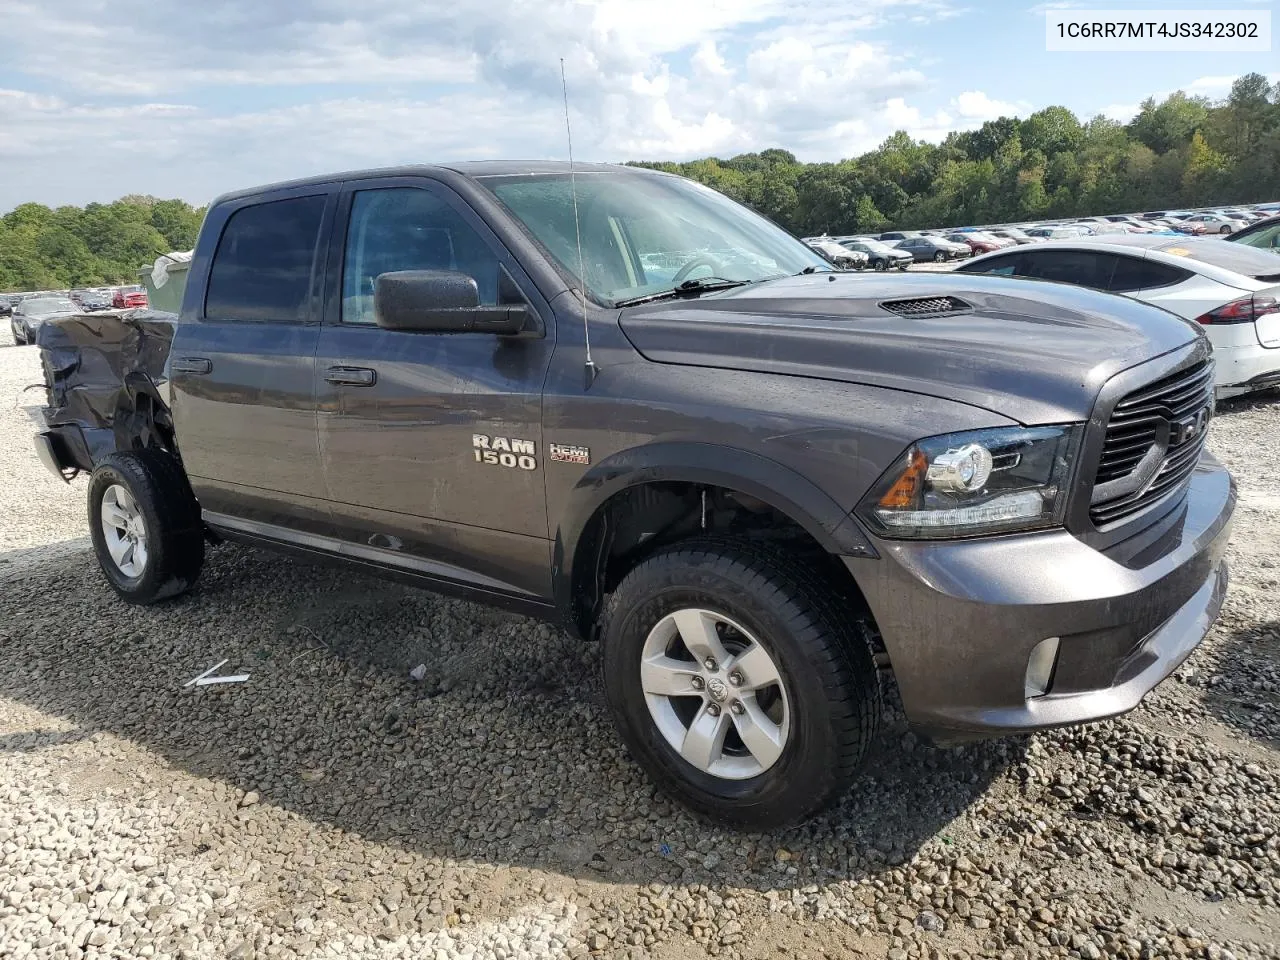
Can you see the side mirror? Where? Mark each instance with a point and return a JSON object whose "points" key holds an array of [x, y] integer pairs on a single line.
{"points": [[440, 301]]}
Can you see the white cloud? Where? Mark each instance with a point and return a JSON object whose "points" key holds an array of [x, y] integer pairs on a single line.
{"points": [[977, 106], [117, 96]]}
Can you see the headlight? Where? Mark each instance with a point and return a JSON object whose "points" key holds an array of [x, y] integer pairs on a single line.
{"points": [[982, 481]]}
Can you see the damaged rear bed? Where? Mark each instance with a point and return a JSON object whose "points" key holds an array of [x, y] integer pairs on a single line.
{"points": [[107, 387]]}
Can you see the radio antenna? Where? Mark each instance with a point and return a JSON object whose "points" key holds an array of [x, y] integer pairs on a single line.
{"points": [[591, 370]]}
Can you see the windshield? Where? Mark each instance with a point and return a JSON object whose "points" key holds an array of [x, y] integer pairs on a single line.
{"points": [[47, 307], [1268, 238], [644, 234]]}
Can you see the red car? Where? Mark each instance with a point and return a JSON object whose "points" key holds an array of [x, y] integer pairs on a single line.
{"points": [[128, 299], [975, 243]]}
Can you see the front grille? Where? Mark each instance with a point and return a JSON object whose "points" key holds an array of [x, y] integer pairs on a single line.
{"points": [[1154, 440], [926, 306]]}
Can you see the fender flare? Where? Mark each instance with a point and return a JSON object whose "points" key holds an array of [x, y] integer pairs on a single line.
{"points": [[732, 468]]}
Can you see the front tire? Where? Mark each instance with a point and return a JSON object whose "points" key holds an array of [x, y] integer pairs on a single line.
{"points": [[1225, 229], [145, 525], [939, 257], [739, 681], [881, 265]]}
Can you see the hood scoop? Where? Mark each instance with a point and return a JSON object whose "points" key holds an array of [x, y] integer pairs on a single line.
{"points": [[926, 306]]}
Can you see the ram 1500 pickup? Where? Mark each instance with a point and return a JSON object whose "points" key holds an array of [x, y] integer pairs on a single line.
{"points": [[616, 399]]}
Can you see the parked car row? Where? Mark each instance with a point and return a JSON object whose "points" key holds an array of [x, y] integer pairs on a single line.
{"points": [[27, 311]]}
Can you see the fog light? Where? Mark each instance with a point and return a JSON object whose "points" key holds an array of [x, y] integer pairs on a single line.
{"points": [[1044, 657]]}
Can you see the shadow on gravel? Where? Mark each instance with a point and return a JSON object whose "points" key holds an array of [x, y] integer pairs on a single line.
{"points": [[502, 754], [1240, 682]]}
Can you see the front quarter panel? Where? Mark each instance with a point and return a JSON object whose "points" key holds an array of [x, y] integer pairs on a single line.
{"points": [[811, 447]]}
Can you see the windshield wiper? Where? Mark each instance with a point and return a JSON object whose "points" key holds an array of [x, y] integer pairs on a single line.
{"points": [[688, 287]]}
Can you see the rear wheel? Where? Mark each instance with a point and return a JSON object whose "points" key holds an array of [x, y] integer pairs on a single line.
{"points": [[739, 682], [145, 525]]}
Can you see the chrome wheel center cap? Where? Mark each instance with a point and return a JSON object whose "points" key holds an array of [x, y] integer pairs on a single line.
{"points": [[717, 689]]}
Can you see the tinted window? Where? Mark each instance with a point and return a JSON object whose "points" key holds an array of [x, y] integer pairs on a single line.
{"points": [[1132, 274], [1084, 268], [996, 266], [406, 228], [262, 267]]}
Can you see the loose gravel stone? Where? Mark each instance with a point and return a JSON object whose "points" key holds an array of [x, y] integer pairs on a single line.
{"points": [[333, 807]]}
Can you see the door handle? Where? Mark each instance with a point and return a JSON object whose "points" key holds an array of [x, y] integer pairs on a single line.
{"points": [[352, 376], [191, 365]]}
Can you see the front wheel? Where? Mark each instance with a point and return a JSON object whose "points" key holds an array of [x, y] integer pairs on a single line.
{"points": [[145, 525], [939, 257], [1225, 229], [739, 682], [881, 265]]}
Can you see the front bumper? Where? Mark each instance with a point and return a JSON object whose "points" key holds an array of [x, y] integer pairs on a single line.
{"points": [[961, 618]]}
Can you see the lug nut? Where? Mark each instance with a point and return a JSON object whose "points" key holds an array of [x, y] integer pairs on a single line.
{"points": [[737, 708], [713, 709], [698, 683], [710, 664], [735, 678]]}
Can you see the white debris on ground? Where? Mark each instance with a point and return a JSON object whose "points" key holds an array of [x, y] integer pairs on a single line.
{"points": [[333, 807]]}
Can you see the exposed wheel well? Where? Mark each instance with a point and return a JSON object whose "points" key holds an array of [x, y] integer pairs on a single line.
{"points": [[634, 522], [142, 421]]}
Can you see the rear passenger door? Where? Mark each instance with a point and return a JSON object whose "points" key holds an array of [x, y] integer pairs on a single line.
{"points": [[432, 443], [242, 371]]}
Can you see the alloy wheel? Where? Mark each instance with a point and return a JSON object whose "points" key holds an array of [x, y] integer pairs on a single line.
{"points": [[715, 694], [124, 531]]}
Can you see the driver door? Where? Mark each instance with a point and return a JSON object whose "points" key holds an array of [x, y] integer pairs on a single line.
{"points": [[407, 419]]}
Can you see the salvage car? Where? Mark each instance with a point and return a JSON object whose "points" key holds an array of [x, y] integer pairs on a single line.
{"points": [[29, 315], [758, 482], [841, 256], [936, 249], [880, 256], [1230, 289]]}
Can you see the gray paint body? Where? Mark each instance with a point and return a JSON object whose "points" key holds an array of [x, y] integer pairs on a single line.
{"points": [[800, 392]]}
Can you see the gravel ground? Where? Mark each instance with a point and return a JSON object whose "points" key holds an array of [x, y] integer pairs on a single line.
{"points": [[331, 806]]}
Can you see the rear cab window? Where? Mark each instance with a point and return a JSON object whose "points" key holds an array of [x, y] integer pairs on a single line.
{"points": [[1134, 273], [263, 265]]}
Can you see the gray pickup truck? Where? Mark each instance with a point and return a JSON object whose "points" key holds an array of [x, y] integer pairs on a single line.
{"points": [[617, 400]]}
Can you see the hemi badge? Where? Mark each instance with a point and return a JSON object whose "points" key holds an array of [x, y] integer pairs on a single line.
{"points": [[569, 453]]}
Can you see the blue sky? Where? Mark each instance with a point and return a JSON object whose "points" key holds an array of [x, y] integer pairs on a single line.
{"points": [[99, 98]]}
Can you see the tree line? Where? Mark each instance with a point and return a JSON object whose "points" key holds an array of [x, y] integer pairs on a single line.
{"points": [[94, 245], [1182, 151]]}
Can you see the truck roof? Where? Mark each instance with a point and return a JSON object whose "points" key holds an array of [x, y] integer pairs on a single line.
{"points": [[467, 168]]}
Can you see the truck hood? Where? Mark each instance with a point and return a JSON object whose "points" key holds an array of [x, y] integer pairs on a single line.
{"points": [[1031, 351]]}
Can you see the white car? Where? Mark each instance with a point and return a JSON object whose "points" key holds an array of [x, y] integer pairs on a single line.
{"points": [[1230, 289], [1212, 223], [840, 256]]}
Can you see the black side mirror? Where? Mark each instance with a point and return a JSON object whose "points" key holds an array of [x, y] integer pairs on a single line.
{"points": [[440, 301]]}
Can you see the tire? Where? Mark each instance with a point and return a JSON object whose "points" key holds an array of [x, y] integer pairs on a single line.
{"points": [[1225, 229], [19, 338], [171, 534], [826, 703], [881, 264], [939, 257]]}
